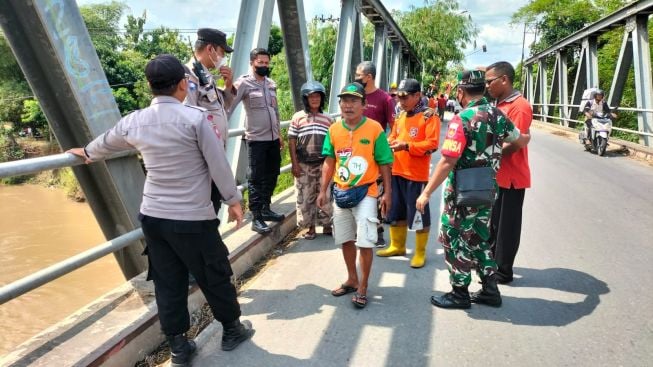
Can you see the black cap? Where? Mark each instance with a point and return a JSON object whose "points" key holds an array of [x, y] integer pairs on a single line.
{"points": [[471, 77], [215, 37], [164, 71], [408, 86], [353, 89]]}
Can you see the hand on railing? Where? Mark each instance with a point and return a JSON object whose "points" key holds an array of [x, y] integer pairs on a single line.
{"points": [[80, 153], [235, 214]]}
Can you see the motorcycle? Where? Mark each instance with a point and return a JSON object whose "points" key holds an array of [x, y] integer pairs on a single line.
{"points": [[600, 131]]}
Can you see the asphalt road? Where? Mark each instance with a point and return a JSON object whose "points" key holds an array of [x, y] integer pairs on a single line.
{"points": [[582, 294]]}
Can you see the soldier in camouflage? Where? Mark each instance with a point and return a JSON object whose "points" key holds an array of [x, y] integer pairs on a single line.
{"points": [[475, 138]]}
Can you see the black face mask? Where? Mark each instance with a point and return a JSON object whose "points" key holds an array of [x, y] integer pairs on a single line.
{"points": [[360, 81], [262, 70]]}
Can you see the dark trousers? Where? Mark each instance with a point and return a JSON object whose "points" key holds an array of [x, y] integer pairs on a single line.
{"points": [[264, 165], [505, 228], [175, 248]]}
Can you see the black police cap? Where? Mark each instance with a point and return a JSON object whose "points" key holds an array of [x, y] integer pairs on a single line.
{"points": [[215, 37], [164, 71]]}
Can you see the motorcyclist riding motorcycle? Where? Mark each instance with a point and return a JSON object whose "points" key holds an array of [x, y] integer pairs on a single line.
{"points": [[596, 108]]}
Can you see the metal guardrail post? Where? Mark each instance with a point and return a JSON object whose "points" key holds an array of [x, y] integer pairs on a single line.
{"points": [[395, 63], [295, 41], [624, 62], [563, 83], [342, 60], [379, 56], [590, 44], [55, 52], [643, 77]]}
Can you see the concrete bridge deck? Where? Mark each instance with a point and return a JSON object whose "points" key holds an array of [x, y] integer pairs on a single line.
{"points": [[579, 298]]}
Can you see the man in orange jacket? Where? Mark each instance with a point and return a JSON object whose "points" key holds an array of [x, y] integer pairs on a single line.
{"points": [[413, 138]]}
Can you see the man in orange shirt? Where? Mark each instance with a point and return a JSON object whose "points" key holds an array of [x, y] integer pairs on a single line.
{"points": [[413, 138], [514, 175], [357, 152]]}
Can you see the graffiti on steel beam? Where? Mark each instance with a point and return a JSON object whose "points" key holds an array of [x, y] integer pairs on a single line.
{"points": [[92, 92]]}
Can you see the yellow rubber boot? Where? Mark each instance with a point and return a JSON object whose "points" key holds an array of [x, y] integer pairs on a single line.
{"points": [[397, 242], [421, 238]]}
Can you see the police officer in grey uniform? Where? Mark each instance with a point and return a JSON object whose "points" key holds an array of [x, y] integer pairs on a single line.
{"points": [[210, 54], [263, 133], [182, 154]]}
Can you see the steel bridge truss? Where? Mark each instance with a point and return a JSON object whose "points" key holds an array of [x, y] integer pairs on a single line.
{"points": [[54, 50], [635, 52]]}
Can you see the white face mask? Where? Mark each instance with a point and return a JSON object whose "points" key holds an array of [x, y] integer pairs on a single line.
{"points": [[220, 62]]}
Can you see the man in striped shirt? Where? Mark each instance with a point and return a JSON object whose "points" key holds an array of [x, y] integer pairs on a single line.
{"points": [[306, 136]]}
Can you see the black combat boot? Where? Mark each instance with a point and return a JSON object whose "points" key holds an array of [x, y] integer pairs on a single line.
{"points": [[258, 225], [234, 333], [181, 349], [457, 298], [489, 294], [268, 214]]}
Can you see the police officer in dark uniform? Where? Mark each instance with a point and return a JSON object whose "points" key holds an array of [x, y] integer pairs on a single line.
{"points": [[203, 88], [182, 154]]}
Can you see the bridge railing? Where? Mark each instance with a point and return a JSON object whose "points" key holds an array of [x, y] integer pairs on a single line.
{"points": [[52, 272], [552, 106]]}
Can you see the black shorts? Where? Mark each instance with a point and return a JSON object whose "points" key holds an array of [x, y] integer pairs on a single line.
{"points": [[404, 197]]}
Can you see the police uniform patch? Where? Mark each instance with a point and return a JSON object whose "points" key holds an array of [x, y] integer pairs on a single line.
{"points": [[192, 86]]}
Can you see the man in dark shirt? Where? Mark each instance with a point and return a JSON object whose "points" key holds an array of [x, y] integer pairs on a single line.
{"points": [[380, 107]]}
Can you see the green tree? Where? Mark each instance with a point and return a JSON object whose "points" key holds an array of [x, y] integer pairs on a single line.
{"points": [[163, 40], [322, 47], [437, 32], [125, 99], [134, 28], [556, 19], [13, 86], [275, 43], [12, 95], [34, 117]]}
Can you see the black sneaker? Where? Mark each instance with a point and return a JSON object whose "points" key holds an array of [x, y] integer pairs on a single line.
{"points": [[380, 242]]}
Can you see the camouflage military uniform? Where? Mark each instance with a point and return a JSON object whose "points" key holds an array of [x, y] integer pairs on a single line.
{"points": [[308, 187], [465, 231]]}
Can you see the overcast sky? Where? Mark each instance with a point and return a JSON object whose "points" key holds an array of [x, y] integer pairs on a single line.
{"points": [[503, 42]]}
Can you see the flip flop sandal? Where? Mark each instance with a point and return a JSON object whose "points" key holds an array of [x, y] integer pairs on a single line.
{"points": [[328, 233], [344, 289], [359, 300], [309, 236]]}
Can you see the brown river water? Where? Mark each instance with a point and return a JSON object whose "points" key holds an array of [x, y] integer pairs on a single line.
{"points": [[39, 227]]}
